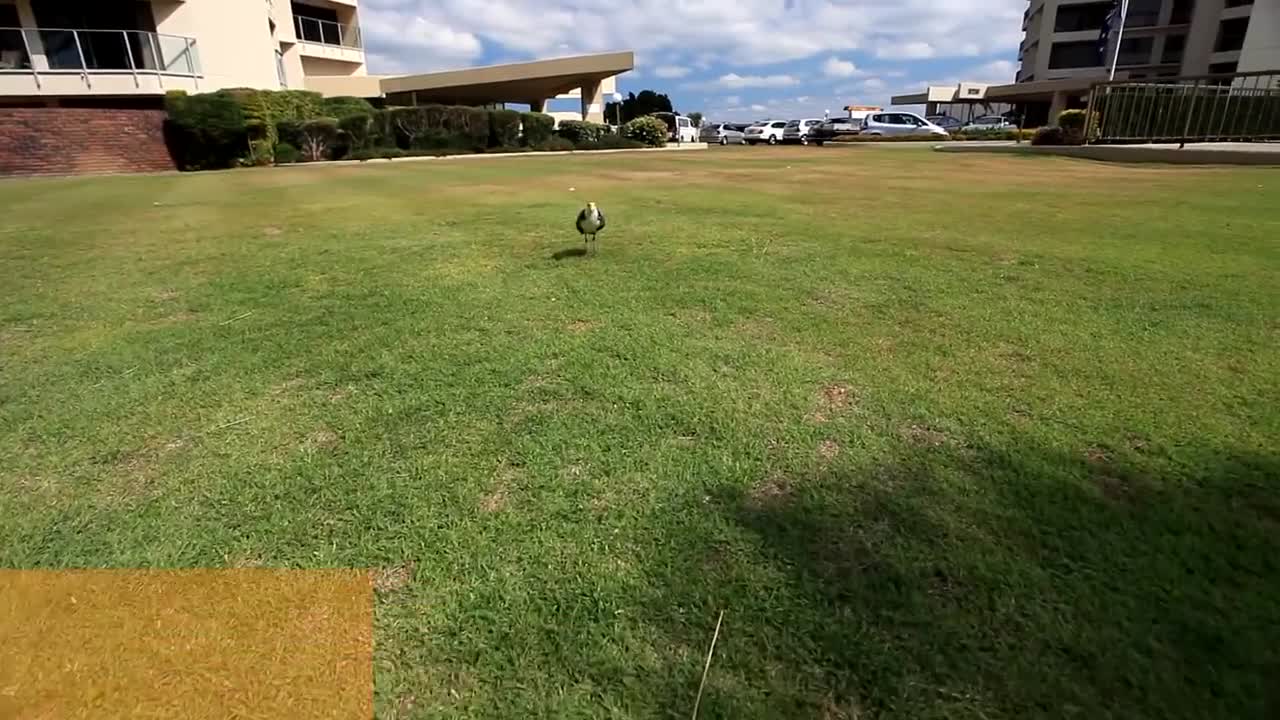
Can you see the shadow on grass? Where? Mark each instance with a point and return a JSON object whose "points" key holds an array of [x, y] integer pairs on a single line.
{"points": [[569, 253], [981, 582]]}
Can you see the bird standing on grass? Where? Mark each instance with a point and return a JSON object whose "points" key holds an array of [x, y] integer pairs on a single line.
{"points": [[590, 222]]}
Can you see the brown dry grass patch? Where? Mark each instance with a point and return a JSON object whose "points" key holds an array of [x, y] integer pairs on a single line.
{"points": [[924, 436], [392, 578]]}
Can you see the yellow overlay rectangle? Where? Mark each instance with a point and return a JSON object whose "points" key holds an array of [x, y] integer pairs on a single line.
{"points": [[243, 643]]}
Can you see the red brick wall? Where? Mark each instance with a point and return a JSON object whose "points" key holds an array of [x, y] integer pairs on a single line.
{"points": [[71, 141]]}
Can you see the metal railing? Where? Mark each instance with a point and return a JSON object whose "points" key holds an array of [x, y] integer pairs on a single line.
{"points": [[38, 51], [1201, 108], [327, 32]]}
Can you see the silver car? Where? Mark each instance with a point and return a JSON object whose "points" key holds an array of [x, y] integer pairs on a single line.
{"points": [[989, 122], [720, 134], [899, 123]]}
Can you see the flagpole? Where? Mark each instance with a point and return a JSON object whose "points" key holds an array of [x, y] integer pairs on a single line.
{"points": [[1124, 13]]}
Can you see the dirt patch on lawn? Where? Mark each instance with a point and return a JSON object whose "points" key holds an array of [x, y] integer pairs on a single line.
{"points": [[578, 327], [392, 578], [322, 439], [772, 490], [924, 436], [831, 401], [828, 449]]}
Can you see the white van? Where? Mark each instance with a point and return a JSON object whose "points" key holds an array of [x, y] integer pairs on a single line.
{"points": [[680, 129]]}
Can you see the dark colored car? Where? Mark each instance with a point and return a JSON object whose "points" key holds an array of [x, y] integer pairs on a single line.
{"points": [[834, 128], [946, 122]]}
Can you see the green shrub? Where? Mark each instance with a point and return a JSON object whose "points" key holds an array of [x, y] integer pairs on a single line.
{"points": [[375, 153], [294, 104], [261, 153], [318, 138], [647, 130], [469, 125], [504, 128], [555, 143], [286, 153], [580, 131], [610, 142], [356, 132], [345, 106], [536, 128], [206, 131], [1049, 136], [1072, 119]]}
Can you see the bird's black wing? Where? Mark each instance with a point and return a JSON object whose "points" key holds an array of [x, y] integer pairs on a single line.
{"points": [[582, 216], [600, 213]]}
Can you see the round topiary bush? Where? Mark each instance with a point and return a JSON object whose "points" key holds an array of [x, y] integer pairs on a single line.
{"points": [[1049, 136], [648, 130]]}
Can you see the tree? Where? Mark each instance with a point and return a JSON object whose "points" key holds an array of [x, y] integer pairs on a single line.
{"points": [[647, 102], [696, 119]]}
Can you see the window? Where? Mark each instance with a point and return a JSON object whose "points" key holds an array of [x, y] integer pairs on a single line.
{"points": [[13, 54], [1231, 34], [1222, 68], [793, 124], [1135, 51], [1143, 13], [1236, 3], [905, 119], [1182, 10], [778, 125], [880, 118], [1173, 47], [1074, 55], [1074, 18]]}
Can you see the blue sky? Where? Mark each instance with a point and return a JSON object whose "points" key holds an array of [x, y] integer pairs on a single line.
{"points": [[745, 59]]}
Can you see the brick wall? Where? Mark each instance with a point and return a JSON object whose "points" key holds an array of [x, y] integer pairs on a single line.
{"points": [[71, 141]]}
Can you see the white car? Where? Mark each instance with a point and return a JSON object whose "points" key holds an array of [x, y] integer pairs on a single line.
{"points": [[680, 129], [899, 123], [768, 131], [797, 131]]}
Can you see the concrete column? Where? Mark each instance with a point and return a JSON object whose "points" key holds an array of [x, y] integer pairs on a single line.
{"points": [[592, 102], [1056, 106], [27, 20], [931, 108], [538, 106]]}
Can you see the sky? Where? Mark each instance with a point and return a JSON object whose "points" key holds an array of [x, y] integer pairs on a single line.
{"points": [[739, 60]]}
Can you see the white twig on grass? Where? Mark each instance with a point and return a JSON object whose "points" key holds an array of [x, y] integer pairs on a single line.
{"points": [[705, 668], [230, 424], [241, 316]]}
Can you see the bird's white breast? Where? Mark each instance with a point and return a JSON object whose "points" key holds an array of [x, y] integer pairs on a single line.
{"points": [[591, 221]]}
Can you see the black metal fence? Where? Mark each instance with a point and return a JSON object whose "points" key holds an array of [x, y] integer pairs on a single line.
{"points": [[1205, 108]]}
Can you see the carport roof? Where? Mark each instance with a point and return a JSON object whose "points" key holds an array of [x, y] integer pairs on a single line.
{"points": [[513, 82]]}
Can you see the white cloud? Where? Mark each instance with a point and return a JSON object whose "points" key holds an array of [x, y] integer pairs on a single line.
{"points": [[667, 72], [834, 67], [873, 84], [421, 34], [758, 108], [914, 50], [734, 81], [731, 100]]}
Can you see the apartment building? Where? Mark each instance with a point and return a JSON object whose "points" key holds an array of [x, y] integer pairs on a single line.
{"points": [[1162, 38], [59, 51]]}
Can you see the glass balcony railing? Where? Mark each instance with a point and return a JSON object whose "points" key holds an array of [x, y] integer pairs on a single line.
{"points": [[38, 50], [327, 32]]}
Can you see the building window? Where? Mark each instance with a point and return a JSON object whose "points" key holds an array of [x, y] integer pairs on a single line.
{"points": [[1074, 55], [1075, 18], [1225, 68], [1173, 47], [1182, 10], [1231, 34], [1237, 3], [1135, 51], [1143, 13], [284, 81]]}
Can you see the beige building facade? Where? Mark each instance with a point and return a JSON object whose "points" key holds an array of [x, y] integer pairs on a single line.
{"points": [[57, 49], [71, 52], [1162, 38]]}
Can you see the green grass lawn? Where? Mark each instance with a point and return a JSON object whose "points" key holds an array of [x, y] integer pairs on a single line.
{"points": [[949, 436]]}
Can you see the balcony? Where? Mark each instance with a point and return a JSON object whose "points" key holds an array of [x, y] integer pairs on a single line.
{"points": [[58, 61], [328, 39]]}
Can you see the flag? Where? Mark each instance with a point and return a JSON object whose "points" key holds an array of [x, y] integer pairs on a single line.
{"points": [[1104, 35]]}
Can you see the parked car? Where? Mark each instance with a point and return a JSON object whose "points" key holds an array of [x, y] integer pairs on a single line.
{"points": [[720, 134], [680, 129], [946, 122], [797, 131], [900, 123], [834, 128], [989, 122], [767, 131]]}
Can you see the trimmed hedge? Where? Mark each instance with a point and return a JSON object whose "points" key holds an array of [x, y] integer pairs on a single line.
{"points": [[248, 127], [610, 142], [536, 128], [1049, 136], [504, 129], [646, 130], [581, 131]]}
